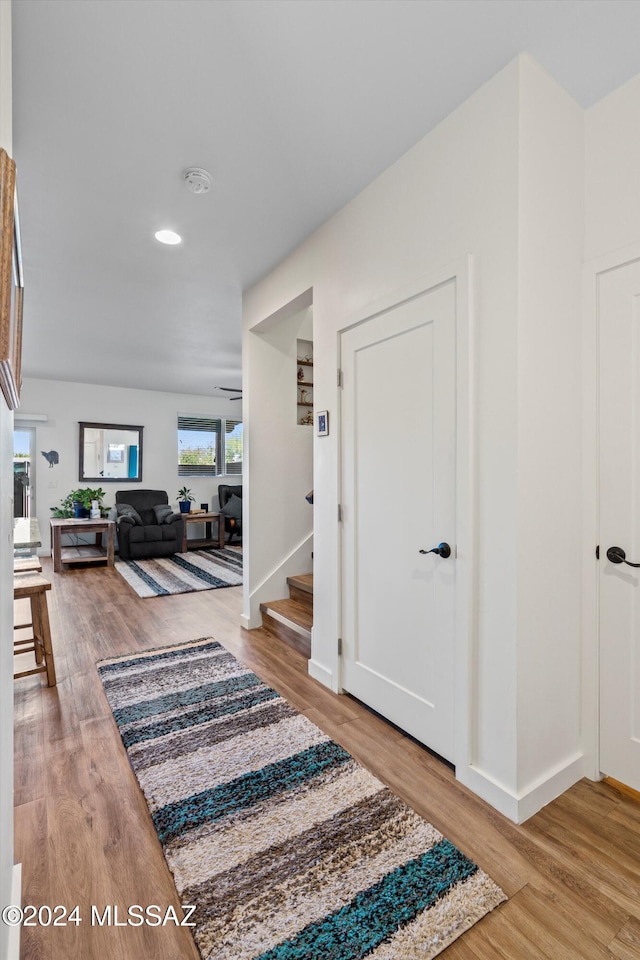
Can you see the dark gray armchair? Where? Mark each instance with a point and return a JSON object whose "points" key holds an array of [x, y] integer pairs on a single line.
{"points": [[147, 526], [230, 499]]}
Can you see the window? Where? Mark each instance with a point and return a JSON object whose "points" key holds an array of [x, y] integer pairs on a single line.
{"points": [[209, 447]]}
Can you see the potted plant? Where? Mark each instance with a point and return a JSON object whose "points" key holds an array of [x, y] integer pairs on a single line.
{"points": [[78, 503], [82, 499], [185, 499]]}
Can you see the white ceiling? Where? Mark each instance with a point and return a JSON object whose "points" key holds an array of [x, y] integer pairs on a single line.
{"points": [[293, 105]]}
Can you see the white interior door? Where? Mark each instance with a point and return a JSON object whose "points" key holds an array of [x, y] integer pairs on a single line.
{"points": [[619, 484], [399, 497]]}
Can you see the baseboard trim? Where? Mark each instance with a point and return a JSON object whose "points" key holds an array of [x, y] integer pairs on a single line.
{"points": [[321, 674], [550, 786], [250, 623], [519, 807], [13, 940]]}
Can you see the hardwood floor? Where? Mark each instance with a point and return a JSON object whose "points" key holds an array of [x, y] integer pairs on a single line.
{"points": [[84, 836]]}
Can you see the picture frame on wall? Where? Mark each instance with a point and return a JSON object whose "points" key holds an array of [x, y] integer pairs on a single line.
{"points": [[322, 423], [11, 285]]}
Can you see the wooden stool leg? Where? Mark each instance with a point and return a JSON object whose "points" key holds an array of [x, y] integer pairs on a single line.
{"points": [[43, 616], [36, 626]]}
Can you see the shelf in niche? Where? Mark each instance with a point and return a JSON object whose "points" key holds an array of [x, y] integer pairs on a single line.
{"points": [[304, 383]]}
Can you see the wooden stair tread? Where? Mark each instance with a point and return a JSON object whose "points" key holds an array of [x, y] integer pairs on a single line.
{"points": [[303, 581], [298, 613]]}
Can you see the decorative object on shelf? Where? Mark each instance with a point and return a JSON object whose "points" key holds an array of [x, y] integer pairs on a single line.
{"points": [[51, 457], [304, 355], [185, 499], [11, 284], [78, 503], [323, 423]]}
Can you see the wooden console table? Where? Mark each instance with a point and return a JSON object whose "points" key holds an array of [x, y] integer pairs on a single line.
{"points": [[207, 519], [86, 552]]}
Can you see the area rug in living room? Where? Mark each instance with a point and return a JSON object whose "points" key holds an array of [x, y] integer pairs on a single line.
{"points": [[183, 572], [286, 846]]}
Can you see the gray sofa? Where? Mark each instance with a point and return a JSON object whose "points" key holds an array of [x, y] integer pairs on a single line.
{"points": [[147, 526]]}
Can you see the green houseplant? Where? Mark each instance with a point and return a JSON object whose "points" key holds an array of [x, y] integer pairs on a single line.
{"points": [[78, 503], [185, 499]]}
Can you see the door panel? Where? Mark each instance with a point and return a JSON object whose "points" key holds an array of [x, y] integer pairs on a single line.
{"points": [[619, 484], [399, 495]]}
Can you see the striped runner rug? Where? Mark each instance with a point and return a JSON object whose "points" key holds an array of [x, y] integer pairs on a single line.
{"points": [[206, 569], [286, 846]]}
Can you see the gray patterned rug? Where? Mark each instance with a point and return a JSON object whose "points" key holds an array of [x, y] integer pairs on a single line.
{"points": [[287, 847], [206, 569]]}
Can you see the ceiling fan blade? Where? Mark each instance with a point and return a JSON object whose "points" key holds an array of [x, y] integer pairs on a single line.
{"points": [[230, 390]]}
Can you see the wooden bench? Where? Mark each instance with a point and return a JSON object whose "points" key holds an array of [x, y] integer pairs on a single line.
{"points": [[33, 587], [27, 565]]}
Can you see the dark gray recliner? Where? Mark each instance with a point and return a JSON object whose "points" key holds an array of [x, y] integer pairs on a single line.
{"points": [[148, 538], [230, 509]]}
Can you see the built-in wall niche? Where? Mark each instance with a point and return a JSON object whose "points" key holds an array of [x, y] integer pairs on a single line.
{"points": [[110, 452], [304, 369]]}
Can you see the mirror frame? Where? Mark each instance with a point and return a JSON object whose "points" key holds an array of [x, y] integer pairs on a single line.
{"points": [[108, 426]]}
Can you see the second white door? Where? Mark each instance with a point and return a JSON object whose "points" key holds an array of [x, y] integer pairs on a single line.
{"points": [[619, 482], [399, 498]]}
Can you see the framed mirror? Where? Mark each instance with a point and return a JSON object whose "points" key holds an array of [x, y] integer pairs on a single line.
{"points": [[110, 453]]}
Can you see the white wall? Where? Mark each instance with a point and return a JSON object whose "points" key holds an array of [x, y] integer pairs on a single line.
{"points": [[549, 431], [65, 404], [612, 135], [455, 192], [6, 545], [460, 191]]}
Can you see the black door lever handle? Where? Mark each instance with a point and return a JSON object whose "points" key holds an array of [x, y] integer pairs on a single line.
{"points": [[443, 550], [617, 555]]}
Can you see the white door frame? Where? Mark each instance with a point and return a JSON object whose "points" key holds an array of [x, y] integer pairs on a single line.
{"points": [[590, 497], [466, 560]]}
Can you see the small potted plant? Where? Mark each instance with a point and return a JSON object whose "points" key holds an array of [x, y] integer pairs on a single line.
{"points": [[83, 498], [185, 499], [78, 503]]}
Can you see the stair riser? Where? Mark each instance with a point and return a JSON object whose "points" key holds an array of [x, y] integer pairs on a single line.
{"points": [[287, 635], [302, 596]]}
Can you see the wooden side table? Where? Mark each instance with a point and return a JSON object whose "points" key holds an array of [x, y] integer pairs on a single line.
{"points": [[86, 552], [208, 541]]}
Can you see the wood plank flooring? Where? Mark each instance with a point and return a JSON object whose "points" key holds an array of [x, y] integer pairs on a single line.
{"points": [[84, 835]]}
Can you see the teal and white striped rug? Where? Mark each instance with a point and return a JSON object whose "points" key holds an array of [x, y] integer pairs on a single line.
{"points": [[206, 569], [287, 847]]}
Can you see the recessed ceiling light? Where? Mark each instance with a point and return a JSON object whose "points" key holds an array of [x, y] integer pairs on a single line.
{"points": [[168, 236]]}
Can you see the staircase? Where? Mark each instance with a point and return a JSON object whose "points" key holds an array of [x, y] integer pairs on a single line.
{"points": [[291, 620]]}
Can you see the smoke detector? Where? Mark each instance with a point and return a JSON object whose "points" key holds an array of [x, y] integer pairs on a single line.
{"points": [[197, 180]]}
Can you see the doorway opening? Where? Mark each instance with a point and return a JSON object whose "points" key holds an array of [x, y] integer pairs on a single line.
{"points": [[23, 472]]}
